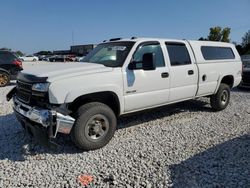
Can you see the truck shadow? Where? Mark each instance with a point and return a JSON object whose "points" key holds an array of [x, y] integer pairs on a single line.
{"points": [[15, 144], [241, 90], [165, 111], [225, 165]]}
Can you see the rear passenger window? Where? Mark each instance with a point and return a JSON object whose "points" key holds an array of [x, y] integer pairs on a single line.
{"points": [[178, 54], [217, 53]]}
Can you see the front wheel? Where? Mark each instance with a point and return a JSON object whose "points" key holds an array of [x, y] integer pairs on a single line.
{"points": [[94, 127], [220, 100]]}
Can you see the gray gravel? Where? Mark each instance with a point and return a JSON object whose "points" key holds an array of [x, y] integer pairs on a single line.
{"points": [[182, 145]]}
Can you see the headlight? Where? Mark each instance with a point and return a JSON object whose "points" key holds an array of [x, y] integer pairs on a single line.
{"points": [[42, 87]]}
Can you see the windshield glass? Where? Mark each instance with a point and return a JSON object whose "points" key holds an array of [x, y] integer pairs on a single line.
{"points": [[111, 54]]}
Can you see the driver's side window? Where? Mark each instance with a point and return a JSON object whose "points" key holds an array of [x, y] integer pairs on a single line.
{"points": [[154, 48]]}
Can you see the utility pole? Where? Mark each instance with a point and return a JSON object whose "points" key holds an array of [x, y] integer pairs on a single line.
{"points": [[73, 42]]}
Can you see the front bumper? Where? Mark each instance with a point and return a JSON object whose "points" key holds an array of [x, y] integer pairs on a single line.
{"points": [[49, 121]]}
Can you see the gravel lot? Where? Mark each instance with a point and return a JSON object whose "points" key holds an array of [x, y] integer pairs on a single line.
{"points": [[182, 145]]}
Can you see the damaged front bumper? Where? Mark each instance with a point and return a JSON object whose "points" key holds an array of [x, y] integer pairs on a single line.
{"points": [[44, 121]]}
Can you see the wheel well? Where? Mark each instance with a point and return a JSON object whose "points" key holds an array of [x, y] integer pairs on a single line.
{"points": [[5, 71], [229, 80], [109, 98]]}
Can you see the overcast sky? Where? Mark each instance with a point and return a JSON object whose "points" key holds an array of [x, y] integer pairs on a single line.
{"points": [[33, 25]]}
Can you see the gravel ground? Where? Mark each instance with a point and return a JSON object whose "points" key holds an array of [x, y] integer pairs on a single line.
{"points": [[181, 145]]}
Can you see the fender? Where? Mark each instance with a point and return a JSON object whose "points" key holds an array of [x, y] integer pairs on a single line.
{"points": [[220, 79], [3, 70]]}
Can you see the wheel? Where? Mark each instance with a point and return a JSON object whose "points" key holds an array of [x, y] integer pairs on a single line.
{"points": [[4, 79], [94, 127], [220, 100], [34, 59]]}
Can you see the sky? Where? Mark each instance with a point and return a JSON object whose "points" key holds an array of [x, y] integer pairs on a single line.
{"points": [[34, 25]]}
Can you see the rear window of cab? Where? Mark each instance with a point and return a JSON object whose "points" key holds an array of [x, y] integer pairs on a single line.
{"points": [[217, 53]]}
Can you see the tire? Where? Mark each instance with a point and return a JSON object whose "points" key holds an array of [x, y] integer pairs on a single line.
{"points": [[220, 100], [94, 127], [34, 59], [4, 79]]}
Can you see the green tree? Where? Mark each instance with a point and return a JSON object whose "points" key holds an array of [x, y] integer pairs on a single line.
{"points": [[219, 34], [246, 39], [19, 53], [225, 34]]}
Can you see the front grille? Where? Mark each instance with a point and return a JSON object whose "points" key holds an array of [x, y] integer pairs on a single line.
{"points": [[24, 86], [33, 98], [24, 91], [23, 96]]}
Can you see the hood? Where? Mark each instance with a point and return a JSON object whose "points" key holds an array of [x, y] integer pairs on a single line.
{"points": [[55, 71]]}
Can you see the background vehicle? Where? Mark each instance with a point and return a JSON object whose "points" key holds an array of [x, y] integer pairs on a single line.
{"points": [[10, 65], [29, 58], [70, 58], [80, 58], [120, 77], [57, 58], [245, 73]]}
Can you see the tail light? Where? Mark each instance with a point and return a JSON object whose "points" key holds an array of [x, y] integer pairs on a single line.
{"points": [[18, 63]]}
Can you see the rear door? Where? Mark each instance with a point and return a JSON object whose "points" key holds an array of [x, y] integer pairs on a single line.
{"points": [[143, 88], [183, 71]]}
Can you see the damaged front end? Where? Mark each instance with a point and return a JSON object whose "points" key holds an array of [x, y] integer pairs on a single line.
{"points": [[41, 121]]}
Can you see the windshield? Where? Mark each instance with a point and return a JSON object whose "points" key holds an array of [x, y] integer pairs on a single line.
{"points": [[111, 54]]}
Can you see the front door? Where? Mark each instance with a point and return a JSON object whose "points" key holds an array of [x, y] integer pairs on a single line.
{"points": [[146, 88]]}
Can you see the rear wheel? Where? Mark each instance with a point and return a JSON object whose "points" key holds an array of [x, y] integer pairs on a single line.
{"points": [[220, 100], [94, 127], [4, 79]]}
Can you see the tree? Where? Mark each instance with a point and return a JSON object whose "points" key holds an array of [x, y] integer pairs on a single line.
{"points": [[219, 34], [225, 34], [19, 53], [4, 48], [240, 49], [246, 39]]}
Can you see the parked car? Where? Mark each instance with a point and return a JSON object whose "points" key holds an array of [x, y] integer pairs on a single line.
{"points": [[57, 58], [118, 78], [29, 58], [10, 65], [245, 82], [70, 58], [45, 58]]}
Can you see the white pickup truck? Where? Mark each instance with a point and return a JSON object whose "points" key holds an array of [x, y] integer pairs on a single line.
{"points": [[118, 77]]}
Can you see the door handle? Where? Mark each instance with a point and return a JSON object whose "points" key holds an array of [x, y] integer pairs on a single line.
{"points": [[190, 72], [164, 75]]}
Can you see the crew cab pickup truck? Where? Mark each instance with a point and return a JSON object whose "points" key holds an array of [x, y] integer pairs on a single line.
{"points": [[118, 77]]}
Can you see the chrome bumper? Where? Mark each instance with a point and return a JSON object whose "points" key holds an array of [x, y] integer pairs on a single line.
{"points": [[45, 117]]}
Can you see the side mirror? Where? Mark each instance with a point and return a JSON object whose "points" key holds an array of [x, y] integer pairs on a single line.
{"points": [[148, 61], [132, 65]]}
